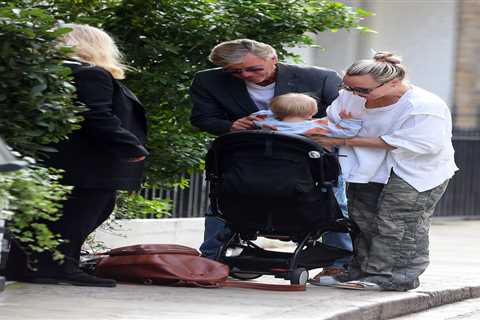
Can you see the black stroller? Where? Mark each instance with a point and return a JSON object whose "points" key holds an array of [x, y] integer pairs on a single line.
{"points": [[274, 185]]}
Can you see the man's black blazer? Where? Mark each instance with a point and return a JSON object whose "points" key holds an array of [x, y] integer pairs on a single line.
{"points": [[219, 98], [114, 131]]}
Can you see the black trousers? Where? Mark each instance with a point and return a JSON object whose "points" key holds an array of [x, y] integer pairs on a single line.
{"points": [[83, 212]]}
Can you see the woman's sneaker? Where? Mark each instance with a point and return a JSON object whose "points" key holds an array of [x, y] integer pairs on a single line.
{"points": [[327, 277]]}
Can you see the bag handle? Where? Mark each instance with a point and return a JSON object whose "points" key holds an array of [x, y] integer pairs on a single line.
{"points": [[263, 286], [246, 285]]}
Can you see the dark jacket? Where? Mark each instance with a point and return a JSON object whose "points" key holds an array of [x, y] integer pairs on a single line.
{"points": [[114, 131], [219, 98]]}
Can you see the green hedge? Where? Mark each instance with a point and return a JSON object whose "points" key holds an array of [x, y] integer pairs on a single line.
{"points": [[36, 109], [35, 96], [28, 198], [167, 41]]}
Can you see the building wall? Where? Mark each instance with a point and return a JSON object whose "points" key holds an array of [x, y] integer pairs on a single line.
{"points": [[467, 84], [423, 32]]}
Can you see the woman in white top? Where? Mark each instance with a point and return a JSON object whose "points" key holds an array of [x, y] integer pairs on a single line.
{"points": [[397, 169]]}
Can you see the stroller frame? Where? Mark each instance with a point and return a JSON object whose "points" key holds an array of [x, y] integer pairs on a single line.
{"points": [[254, 261]]}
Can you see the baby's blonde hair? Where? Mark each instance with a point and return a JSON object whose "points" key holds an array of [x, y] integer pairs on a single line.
{"points": [[95, 46], [293, 105]]}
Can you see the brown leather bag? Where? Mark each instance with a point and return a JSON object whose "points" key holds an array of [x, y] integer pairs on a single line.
{"points": [[165, 264], [172, 264]]}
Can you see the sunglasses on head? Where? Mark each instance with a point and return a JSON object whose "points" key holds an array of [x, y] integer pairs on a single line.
{"points": [[359, 90], [247, 69]]}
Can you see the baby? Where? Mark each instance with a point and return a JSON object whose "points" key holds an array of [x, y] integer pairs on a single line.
{"points": [[293, 112]]}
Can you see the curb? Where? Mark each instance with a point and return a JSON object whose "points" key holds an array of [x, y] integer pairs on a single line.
{"points": [[422, 301]]}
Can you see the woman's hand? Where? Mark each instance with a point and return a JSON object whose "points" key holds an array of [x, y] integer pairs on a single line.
{"points": [[319, 135], [351, 142], [327, 141]]}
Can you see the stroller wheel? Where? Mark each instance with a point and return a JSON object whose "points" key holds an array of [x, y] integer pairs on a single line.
{"points": [[245, 276], [299, 276]]}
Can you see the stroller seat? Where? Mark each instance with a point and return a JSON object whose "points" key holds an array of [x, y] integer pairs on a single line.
{"points": [[275, 185]]}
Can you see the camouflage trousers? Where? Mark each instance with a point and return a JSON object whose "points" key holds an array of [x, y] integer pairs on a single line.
{"points": [[391, 248]]}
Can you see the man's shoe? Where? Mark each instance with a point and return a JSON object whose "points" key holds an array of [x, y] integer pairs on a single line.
{"points": [[77, 278]]}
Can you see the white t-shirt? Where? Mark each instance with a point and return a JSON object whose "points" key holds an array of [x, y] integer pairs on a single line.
{"points": [[419, 125], [260, 95]]}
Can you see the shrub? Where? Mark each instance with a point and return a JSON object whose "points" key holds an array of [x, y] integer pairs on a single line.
{"points": [[35, 96], [29, 197], [134, 206], [36, 109], [167, 41]]}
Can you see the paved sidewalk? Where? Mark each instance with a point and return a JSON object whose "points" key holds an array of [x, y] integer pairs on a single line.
{"points": [[453, 275]]}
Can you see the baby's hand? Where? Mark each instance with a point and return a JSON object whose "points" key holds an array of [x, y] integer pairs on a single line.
{"points": [[323, 121], [345, 114], [317, 131]]}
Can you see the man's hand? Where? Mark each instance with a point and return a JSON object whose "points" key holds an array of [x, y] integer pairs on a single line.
{"points": [[269, 127], [136, 159], [260, 116], [244, 123]]}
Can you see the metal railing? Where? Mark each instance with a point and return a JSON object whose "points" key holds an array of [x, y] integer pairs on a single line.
{"points": [[462, 197], [190, 202]]}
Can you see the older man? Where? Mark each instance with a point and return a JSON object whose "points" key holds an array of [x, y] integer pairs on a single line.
{"points": [[248, 77]]}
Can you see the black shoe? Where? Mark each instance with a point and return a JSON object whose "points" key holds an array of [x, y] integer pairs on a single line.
{"points": [[77, 278]]}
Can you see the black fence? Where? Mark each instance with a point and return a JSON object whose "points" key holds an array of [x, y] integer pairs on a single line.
{"points": [[462, 197], [190, 202]]}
